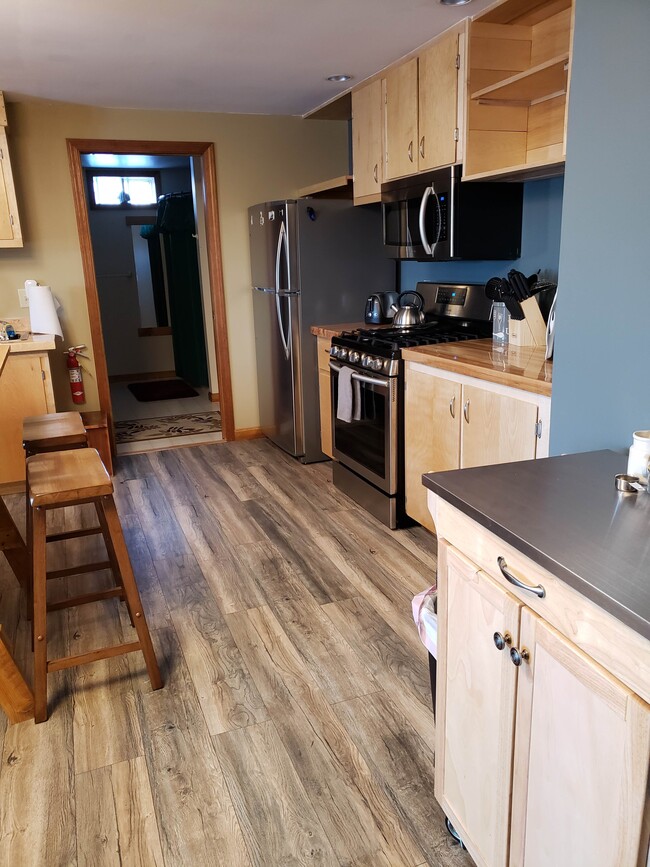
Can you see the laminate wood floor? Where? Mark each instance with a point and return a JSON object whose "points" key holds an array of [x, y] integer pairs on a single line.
{"points": [[295, 725]]}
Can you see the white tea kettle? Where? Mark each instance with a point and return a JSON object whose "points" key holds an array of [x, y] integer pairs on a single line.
{"points": [[409, 312]]}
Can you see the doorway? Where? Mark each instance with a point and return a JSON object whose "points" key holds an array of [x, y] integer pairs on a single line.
{"points": [[148, 225]]}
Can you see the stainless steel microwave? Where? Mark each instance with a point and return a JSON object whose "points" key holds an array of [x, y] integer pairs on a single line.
{"points": [[434, 216]]}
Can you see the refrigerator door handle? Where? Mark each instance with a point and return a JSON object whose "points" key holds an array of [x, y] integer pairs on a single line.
{"points": [[268, 289], [282, 246]]}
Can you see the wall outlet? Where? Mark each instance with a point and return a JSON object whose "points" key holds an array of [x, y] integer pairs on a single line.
{"points": [[22, 297]]}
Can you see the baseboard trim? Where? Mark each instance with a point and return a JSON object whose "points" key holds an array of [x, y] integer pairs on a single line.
{"points": [[248, 433], [142, 377], [213, 397]]}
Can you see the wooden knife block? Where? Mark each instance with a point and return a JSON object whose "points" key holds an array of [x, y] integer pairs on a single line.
{"points": [[530, 331]]}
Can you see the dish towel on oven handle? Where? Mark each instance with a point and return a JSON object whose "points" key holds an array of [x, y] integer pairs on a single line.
{"points": [[344, 404]]}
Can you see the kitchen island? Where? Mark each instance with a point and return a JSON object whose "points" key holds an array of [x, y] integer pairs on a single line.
{"points": [[543, 728]]}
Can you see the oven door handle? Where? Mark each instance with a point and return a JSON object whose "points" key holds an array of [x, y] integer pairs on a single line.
{"points": [[360, 377]]}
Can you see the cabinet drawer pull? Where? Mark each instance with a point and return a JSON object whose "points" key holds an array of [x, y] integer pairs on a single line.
{"points": [[519, 656], [466, 410], [422, 147], [374, 173], [538, 590], [500, 641], [410, 151], [452, 407]]}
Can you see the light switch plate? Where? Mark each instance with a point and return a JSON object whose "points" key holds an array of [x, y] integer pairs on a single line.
{"points": [[22, 297]]}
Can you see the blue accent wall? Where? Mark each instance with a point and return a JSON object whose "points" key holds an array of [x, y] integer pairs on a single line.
{"points": [[540, 244], [601, 375]]}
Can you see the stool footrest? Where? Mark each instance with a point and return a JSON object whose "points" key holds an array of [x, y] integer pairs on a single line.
{"points": [[79, 570], [86, 598], [73, 534], [92, 656]]}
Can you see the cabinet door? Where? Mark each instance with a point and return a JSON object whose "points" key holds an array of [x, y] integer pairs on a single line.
{"points": [[401, 86], [431, 436], [10, 235], [496, 429], [367, 144], [581, 758], [22, 393], [475, 706], [438, 103]]}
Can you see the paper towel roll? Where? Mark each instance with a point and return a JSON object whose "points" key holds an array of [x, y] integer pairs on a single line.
{"points": [[43, 311]]}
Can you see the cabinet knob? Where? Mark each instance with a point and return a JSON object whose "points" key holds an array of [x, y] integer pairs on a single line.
{"points": [[410, 150], [519, 656], [500, 641]]}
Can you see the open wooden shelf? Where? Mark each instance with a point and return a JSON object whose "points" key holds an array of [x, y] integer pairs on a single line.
{"points": [[539, 82], [525, 171], [334, 188]]}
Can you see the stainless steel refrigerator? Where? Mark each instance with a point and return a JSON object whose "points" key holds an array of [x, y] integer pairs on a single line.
{"points": [[313, 262]]}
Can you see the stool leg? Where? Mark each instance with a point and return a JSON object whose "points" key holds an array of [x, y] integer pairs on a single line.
{"points": [[38, 527], [107, 505], [110, 548], [29, 601]]}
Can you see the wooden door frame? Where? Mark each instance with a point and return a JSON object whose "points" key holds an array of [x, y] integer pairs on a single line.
{"points": [[206, 152]]}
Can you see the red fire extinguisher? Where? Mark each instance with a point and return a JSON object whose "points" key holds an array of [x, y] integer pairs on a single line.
{"points": [[74, 372]]}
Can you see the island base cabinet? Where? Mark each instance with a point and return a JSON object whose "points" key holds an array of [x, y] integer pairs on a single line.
{"points": [[324, 395], [581, 759], [510, 685]]}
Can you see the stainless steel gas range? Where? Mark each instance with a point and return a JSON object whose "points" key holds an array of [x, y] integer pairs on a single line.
{"points": [[368, 438]]}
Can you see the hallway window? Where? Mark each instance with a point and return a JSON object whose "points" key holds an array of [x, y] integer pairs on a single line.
{"points": [[114, 190]]}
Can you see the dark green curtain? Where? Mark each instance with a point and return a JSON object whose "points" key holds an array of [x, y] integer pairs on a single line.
{"points": [[175, 222]]}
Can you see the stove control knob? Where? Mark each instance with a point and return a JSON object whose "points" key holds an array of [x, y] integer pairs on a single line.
{"points": [[334, 351], [365, 360], [343, 353], [354, 356], [376, 363]]}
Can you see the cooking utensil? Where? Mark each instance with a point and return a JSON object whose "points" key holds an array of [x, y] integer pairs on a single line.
{"points": [[408, 314]]}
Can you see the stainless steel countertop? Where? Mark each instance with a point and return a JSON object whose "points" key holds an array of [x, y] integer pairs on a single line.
{"points": [[566, 514]]}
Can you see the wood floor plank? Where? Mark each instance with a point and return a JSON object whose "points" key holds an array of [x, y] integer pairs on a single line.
{"points": [[277, 819], [37, 787], [404, 764], [228, 697], [196, 818], [333, 663], [399, 672], [164, 535], [324, 579], [232, 470], [116, 823], [362, 824]]}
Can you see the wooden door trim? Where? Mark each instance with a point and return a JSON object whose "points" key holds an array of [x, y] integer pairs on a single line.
{"points": [[206, 152]]}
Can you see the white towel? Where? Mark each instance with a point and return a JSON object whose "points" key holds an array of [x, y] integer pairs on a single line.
{"points": [[345, 399]]}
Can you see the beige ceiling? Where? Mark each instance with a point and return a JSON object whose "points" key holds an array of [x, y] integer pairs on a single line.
{"points": [[251, 56]]}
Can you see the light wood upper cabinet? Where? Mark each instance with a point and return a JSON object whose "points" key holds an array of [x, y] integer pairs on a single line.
{"points": [[367, 142], [10, 233], [422, 108], [438, 102], [451, 421], [576, 790], [517, 89]]}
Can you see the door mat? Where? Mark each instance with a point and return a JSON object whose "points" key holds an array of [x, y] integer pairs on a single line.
{"points": [[171, 426], [161, 389]]}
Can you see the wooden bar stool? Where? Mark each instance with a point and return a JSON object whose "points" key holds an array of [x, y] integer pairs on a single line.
{"points": [[71, 478], [54, 431]]}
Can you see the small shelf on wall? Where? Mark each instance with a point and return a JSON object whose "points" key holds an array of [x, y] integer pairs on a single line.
{"points": [[540, 82]]}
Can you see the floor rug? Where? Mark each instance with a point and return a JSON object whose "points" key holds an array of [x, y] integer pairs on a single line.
{"points": [[170, 426], [161, 389]]}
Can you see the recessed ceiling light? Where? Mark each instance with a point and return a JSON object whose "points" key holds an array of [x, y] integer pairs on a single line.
{"points": [[339, 78], [455, 2]]}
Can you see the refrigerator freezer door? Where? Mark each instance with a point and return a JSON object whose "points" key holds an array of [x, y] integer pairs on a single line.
{"points": [[263, 230]]}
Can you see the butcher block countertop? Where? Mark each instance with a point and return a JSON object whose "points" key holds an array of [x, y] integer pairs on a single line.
{"points": [[521, 367], [336, 329], [35, 343]]}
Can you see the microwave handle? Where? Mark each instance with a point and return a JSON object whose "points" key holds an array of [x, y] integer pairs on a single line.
{"points": [[429, 249], [423, 207]]}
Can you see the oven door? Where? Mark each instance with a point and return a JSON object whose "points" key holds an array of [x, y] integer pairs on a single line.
{"points": [[368, 445]]}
